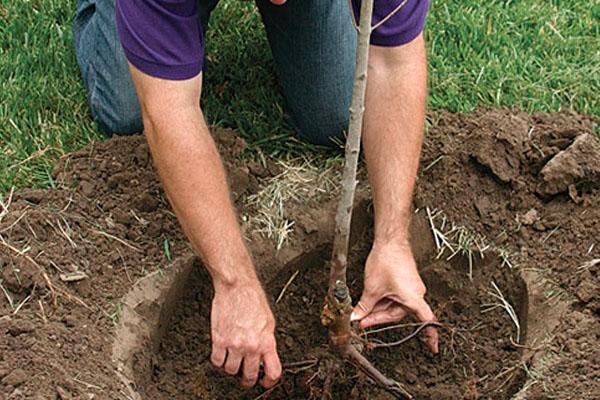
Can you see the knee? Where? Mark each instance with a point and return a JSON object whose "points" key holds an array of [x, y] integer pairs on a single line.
{"points": [[325, 126]]}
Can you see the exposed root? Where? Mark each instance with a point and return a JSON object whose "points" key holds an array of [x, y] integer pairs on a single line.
{"points": [[267, 393], [390, 327], [389, 385], [328, 382], [589, 264], [122, 241], [406, 338], [289, 282], [299, 366]]}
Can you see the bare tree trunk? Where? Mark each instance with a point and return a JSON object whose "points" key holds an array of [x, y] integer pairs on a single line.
{"points": [[338, 304], [343, 217]]}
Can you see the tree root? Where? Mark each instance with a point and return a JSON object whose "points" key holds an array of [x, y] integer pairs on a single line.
{"points": [[328, 383], [389, 385], [406, 338], [336, 317]]}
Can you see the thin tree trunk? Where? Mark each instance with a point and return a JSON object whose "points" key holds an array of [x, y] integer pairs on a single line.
{"points": [[338, 304], [339, 259]]}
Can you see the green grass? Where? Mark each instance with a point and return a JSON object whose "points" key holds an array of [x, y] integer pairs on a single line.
{"points": [[532, 54], [536, 55]]}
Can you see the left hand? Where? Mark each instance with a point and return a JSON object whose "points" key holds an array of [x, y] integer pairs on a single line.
{"points": [[394, 289]]}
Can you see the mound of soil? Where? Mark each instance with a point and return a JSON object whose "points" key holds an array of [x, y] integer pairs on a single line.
{"points": [[533, 189], [529, 183]]}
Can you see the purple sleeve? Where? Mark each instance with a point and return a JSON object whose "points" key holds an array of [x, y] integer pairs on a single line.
{"points": [[402, 27], [162, 38]]}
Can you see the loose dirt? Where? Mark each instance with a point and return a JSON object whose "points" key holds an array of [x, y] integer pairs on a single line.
{"points": [[103, 299]]}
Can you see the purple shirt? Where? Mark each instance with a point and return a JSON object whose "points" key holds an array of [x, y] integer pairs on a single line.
{"points": [[163, 38]]}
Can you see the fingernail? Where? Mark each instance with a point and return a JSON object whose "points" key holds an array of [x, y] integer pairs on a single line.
{"points": [[354, 316]]}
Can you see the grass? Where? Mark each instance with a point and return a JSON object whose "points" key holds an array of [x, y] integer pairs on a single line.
{"points": [[536, 55], [301, 181]]}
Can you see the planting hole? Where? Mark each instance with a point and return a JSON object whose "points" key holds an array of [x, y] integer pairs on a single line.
{"points": [[478, 354]]}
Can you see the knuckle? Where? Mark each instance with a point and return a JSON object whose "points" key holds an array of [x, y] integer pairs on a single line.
{"points": [[252, 347], [236, 344], [218, 341], [271, 343], [218, 344]]}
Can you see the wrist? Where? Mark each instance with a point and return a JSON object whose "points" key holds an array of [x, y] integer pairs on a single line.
{"points": [[383, 251], [233, 272], [398, 242], [225, 282]]}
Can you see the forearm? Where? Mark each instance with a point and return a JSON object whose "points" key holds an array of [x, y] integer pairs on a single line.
{"points": [[393, 134], [194, 180], [193, 177]]}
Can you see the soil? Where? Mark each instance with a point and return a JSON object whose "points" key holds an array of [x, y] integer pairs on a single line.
{"points": [[73, 258], [477, 349]]}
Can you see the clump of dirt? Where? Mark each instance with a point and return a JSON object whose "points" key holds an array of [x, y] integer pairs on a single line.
{"points": [[577, 165], [527, 183]]}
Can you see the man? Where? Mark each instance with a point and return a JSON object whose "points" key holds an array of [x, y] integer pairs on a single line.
{"points": [[155, 83]]}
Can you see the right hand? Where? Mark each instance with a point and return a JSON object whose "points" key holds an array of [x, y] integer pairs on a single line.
{"points": [[242, 330]]}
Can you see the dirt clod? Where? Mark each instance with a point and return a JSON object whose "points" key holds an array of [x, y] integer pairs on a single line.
{"points": [[15, 378], [20, 327], [578, 164]]}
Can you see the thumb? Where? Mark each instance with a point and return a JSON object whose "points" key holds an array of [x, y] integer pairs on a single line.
{"points": [[363, 307]]}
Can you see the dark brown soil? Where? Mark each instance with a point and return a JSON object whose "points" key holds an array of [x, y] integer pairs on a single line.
{"points": [[472, 363], [530, 184], [505, 195]]}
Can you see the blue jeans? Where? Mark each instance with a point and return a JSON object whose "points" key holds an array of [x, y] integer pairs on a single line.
{"points": [[313, 44]]}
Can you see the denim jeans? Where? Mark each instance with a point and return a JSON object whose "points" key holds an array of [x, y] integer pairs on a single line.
{"points": [[313, 44]]}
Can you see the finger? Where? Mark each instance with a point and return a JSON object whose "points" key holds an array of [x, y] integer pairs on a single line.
{"points": [[217, 357], [232, 365], [272, 369], [251, 366], [383, 317], [363, 307], [423, 312], [383, 304]]}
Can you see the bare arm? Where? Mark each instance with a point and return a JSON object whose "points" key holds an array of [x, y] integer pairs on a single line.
{"points": [[193, 177], [393, 134], [396, 95]]}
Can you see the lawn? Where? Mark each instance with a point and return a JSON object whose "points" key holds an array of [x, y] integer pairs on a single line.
{"points": [[536, 55]]}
